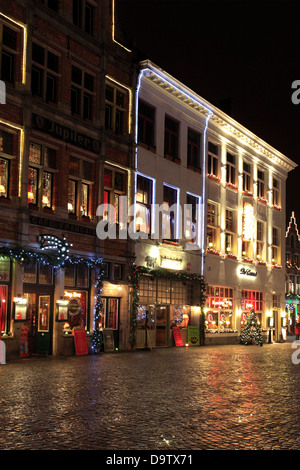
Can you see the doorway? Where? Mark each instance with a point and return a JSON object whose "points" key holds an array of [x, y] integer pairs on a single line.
{"points": [[40, 321], [162, 325]]}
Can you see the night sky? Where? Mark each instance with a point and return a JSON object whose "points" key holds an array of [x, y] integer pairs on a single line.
{"points": [[238, 52]]}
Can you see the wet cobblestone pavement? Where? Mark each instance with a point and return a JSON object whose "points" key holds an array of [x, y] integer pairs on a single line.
{"points": [[209, 398]]}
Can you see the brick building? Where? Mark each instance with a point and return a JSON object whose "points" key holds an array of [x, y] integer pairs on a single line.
{"points": [[65, 148]]}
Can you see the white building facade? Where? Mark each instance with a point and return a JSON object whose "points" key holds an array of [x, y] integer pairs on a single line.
{"points": [[229, 188]]}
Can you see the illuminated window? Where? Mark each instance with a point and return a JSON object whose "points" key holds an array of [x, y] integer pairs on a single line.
{"points": [[212, 232], [230, 234], [219, 302], [42, 162], [231, 169], [247, 178], [260, 241], [193, 149], [261, 184], [171, 138], [115, 106], [32, 193], [114, 189], [252, 299], [4, 177], [143, 200], [44, 75], [276, 192], [82, 88], [146, 123], [192, 228], [170, 199], [213, 159], [83, 15], [79, 186], [275, 245]]}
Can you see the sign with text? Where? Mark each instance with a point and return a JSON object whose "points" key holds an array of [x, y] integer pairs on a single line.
{"points": [[193, 336], [80, 341], [24, 350], [177, 336]]}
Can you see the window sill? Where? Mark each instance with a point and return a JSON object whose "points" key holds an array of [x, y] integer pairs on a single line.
{"points": [[194, 168], [5, 200]]}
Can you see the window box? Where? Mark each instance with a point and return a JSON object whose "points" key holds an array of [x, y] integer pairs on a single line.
{"points": [[73, 216], [232, 186], [247, 260], [194, 168], [276, 266], [262, 263], [33, 207], [85, 218], [278, 208], [212, 251], [215, 178], [229, 255], [262, 200], [247, 193]]}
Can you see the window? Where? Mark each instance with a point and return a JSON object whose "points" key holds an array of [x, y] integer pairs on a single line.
{"points": [[5, 267], [230, 234], [110, 312], [260, 241], [170, 207], [114, 189], [4, 177], [83, 15], [193, 150], [191, 219], [247, 184], [44, 78], [219, 303], [42, 161], [38, 274], [115, 103], [79, 187], [252, 300], [275, 246], [276, 192], [213, 159], [261, 184], [8, 49], [82, 88], [230, 169], [143, 200], [146, 123], [212, 237], [171, 138]]}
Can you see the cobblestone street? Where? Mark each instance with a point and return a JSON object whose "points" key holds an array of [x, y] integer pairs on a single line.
{"points": [[207, 398]]}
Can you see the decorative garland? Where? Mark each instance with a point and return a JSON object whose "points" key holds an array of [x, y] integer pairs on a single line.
{"points": [[136, 271], [30, 256]]}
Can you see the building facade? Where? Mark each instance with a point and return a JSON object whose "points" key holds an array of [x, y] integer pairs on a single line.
{"points": [[65, 149], [292, 286], [188, 151]]}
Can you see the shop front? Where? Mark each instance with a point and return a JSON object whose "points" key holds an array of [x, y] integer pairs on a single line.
{"points": [[163, 304]]}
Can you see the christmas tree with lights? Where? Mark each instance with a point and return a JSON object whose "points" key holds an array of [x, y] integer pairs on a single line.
{"points": [[97, 340], [251, 330]]}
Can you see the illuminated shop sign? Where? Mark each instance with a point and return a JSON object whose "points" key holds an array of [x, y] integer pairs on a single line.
{"points": [[247, 272], [170, 263]]}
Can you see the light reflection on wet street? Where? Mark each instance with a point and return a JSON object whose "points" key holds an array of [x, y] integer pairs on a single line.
{"points": [[208, 398]]}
